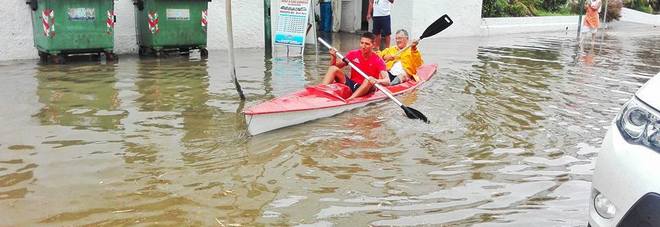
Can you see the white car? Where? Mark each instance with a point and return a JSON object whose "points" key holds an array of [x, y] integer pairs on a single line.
{"points": [[626, 182]]}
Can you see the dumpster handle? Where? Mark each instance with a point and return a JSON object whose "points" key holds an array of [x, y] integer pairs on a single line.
{"points": [[33, 4], [139, 4]]}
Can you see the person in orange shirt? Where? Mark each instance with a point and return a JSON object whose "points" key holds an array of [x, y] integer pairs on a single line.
{"points": [[591, 19], [401, 67]]}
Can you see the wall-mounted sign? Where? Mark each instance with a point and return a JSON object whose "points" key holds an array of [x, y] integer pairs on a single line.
{"points": [[292, 22]]}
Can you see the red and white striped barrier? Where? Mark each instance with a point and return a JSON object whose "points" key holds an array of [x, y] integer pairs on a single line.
{"points": [[153, 22], [48, 22], [110, 22], [204, 21]]}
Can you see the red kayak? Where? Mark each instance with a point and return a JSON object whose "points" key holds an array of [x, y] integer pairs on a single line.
{"points": [[319, 101]]}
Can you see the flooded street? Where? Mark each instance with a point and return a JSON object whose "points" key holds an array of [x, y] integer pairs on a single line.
{"points": [[516, 124]]}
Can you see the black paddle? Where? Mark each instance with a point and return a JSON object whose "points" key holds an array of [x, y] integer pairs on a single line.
{"points": [[436, 27], [440, 24], [410, 112]]}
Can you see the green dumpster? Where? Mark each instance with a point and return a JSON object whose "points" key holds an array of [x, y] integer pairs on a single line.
{"points": [[171, 25], [62, 27]]}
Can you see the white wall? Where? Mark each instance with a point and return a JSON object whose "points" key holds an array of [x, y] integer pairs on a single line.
{"points": [[639, 17], [17, 42], [401, 15], [466, 15], [510, 25], [16, 31]]}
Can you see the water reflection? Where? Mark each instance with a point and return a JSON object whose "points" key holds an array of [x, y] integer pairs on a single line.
{"points": [[506, 96], [80, 96], [516, 122], [286, 75], [647, 55]]}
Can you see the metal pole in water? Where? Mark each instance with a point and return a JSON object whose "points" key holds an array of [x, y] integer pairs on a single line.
{"points": [[230, 39], [579, 28], [267, 29], [605, 16]]}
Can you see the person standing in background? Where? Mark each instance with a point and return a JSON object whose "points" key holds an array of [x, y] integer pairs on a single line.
{"points": [[591, 19], [379, 11], [336, 17]]}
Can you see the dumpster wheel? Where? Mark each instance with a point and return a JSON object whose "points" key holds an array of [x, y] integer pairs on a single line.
{"points": [[43, 57], [59, 59], [110, 56], [142, 51], [204, 53], [184, 51]]}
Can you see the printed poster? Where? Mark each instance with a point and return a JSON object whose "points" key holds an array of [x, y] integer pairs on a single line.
{"points": [[292, 22]]}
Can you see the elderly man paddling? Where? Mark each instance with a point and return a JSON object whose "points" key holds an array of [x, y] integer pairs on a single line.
{"points": [[402, 63]]}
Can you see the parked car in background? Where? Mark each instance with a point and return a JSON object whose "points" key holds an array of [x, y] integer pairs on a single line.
{"points": [[626, 182]]}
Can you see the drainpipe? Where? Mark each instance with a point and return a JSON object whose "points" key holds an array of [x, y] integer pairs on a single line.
{"points": [[230, 39], [268, 42]]}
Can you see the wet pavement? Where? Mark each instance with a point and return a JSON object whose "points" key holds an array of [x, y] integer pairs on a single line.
{"points": [[516, 124]]}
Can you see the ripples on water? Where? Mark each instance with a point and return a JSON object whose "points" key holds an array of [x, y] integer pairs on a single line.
{"points": [[516, 123]]}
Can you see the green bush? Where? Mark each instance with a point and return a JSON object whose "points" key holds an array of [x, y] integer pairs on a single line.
{"points": [[655, 5], [495, 8], [533, 6], [647, 6], [519, 9], [553, 5], [522, 8]]}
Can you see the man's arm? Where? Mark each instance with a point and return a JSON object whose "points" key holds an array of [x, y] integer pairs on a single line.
{"points": [[415, 59], [333, 59], [387, 54], [384, 79], [370, 9]]}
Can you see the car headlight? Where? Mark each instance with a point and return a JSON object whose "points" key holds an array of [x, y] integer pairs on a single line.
{"points": [[603, 206], [640, 124]]}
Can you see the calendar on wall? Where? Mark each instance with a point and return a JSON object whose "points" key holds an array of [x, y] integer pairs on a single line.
{"points": [[292, 22]]}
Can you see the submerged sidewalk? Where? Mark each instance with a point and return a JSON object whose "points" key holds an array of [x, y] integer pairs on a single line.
{"points": [[513, 25]]}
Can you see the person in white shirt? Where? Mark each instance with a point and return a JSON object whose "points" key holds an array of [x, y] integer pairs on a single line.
{"points": [[379, 11]]}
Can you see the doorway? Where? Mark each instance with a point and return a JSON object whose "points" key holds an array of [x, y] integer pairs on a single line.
{"points": [[364, 26]]}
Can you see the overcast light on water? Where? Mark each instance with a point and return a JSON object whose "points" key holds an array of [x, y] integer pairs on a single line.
{"points": [[516, 124]]}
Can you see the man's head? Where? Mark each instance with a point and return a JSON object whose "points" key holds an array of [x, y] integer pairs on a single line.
{"points": [[401, 38], [367, 42]]}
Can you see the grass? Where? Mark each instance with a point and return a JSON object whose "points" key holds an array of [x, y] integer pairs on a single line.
{"points": [[564, 11]]}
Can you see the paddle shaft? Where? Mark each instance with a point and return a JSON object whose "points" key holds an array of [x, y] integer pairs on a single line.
{"points": [[405, 48], [436, 27], [366, 77]]}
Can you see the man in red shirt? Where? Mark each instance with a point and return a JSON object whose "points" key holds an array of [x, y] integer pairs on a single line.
{"points": [[366, 60]]}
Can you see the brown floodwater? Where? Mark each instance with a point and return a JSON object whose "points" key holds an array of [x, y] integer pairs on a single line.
{"points": [[516, 124]]}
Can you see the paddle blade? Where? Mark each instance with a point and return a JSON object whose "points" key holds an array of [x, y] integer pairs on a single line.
{"points": [[440, 24], [414, 114]]}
